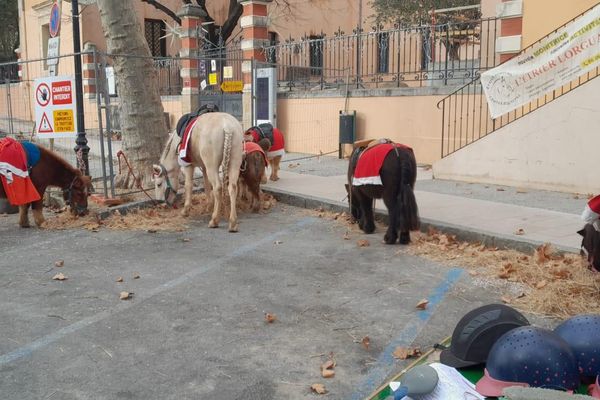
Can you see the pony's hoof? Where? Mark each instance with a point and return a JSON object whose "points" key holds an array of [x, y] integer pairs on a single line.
{"points": [[369, 228], [274, 178], [25, 225], [213, 224], [233, 228], [404, 238], [390, 239], [185, 213]]}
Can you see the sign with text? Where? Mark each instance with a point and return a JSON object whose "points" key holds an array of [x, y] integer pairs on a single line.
{"points": [[53, 50], [548, 65], [55, 107], [232, 86]]}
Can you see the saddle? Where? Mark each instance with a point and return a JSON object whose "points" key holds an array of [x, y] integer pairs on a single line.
{"points": [[186, 119], [264, 130]]}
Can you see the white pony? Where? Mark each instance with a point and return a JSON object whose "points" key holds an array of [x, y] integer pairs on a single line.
{"points": [[216, 140]]}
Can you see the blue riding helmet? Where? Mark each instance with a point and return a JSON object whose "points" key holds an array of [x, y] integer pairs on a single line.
{"points": [[582, 333], [529, 356]]}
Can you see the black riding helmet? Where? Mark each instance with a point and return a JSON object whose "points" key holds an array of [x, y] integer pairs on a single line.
{"points": [[476, 333]]}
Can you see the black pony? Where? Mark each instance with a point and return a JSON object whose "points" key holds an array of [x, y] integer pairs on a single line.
{"points": [[590, 246], [398, 174]]}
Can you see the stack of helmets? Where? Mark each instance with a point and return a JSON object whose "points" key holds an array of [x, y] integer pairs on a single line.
{"points": [[582, 334], [476, 333], [530, 357]]}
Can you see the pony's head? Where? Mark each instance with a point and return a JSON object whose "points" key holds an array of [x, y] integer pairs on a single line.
{"points": [[166, 174], [76, 194], [590, 245]]}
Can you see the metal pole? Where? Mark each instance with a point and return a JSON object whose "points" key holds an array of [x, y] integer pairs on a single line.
{"points": [[9, 104], [81, 141], [101, 81]]}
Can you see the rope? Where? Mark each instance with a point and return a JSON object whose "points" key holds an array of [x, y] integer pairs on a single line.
{"points": [[138, 182], [307, 157]]}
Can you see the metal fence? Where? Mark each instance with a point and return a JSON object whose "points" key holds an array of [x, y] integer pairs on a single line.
{"points": [[431, 55]]}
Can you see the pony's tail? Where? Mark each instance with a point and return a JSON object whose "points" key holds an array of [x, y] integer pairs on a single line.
{"points": [[226, 158], [408, 219]]}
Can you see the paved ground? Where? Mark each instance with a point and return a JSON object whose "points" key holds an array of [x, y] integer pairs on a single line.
{"points": [[195, 327]]}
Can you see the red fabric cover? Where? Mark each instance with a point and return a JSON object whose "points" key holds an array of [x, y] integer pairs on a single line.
{"points": [[185, 157], [370, 162], [14, 175], [594, 204], [251, 147], [278, 142]]}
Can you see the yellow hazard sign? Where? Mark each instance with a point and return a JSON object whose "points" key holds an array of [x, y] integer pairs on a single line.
{"points": [[63, 120], [232, 86]]}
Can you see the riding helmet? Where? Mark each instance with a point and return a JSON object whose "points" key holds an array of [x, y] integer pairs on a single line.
{"points": [[476, 333], [582, 333], [529, 356]]}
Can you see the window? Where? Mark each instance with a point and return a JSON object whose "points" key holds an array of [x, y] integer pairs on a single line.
{"points": [[271, 54], [316, 54], [383, 52], [155, 31]]}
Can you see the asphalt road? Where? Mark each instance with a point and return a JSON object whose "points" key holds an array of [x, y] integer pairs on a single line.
{"points": [[195, 327]]}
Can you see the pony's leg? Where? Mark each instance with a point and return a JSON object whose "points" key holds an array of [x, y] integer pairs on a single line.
{"points": [[189, 187], [23, 216], [405, 237], [37, 210], [215, 182], [275, 168], [391, 202], [233, 190], [368, 219]]}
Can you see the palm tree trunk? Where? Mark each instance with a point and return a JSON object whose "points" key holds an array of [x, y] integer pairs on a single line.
{"points": [[141, 112]]}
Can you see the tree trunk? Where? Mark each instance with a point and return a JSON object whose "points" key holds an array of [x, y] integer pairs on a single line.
{"points": [[141, 112]]}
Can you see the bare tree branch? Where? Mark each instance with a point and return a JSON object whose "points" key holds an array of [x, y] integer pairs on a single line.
{"points": [[164, 9]]}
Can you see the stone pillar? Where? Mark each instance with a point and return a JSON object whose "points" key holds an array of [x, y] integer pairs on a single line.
{"points": [[89, 71], [509, 43], [255, 35], [191, 17]]}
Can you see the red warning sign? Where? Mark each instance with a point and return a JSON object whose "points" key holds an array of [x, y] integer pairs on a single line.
{"points": [[45, 126], [61, 92], [42, 94]]}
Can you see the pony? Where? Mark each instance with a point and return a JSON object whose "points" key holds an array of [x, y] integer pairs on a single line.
{"points": [[590, 246], [53, 171], [253, 170], [277, 145], [216, 140], [398, 174]]}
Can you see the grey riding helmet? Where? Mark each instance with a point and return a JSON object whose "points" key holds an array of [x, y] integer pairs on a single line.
{"points": [[476, 333]]}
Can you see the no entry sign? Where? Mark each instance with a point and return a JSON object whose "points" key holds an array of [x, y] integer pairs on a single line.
{"points": [[54, 26], [55, 108]]}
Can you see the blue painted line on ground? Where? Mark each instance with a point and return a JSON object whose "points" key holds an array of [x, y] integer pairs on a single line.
{"points": [[408, 335], [44, 341]]}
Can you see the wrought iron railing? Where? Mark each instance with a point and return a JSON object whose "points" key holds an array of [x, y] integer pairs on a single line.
{"points": [[466, 116], [429, 55]]}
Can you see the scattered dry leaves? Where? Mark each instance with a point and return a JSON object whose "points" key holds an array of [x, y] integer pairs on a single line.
{"points": [[59, 277], [318, 388], [421, 305], [363, 243]]}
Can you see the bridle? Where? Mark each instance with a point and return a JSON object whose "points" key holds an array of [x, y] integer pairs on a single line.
{"points": [[170, 188], [68, 193]]}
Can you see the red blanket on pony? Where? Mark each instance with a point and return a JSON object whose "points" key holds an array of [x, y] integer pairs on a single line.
{"points": [[251, 147], [370, 162], [14, 175], [184, 157]]}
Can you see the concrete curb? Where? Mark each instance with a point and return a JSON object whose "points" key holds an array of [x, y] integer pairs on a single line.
{"points": [[463, 233]]}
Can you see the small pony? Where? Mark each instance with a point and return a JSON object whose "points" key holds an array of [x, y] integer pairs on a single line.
{"points": [[253, 170], [590, 243], [51, 170], [215, 141], [384, 170], [276, 148]]}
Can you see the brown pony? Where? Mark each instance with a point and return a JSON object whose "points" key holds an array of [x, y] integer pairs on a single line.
{"points": [[253, 173], [52, 170]]}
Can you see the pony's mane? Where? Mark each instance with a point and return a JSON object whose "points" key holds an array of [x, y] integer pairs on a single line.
{"points": [[60, 160], [168, 145]]}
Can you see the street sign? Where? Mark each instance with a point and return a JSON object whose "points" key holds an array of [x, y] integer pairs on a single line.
{"points": [[212, 78], [227, 72], [53, 50], [232, 86], [55, 107], [54, 26]]}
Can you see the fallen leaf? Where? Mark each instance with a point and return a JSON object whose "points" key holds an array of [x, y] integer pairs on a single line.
{"points": [[59, 263], [507, 269], [366, 342], [270, 318], [520, 231], [125, 295], [328, 373], [576, 197], [136, 276], [541, 284], [543, 253], [421, 305], [363, 243], [521, 191], [278, 242], [329, 364], [152, 230], [120, 279], [400, 353], [318, 388], [347, 235], [499, 190], [185, 239], [521, 295], [59, 277], [506, 299]]}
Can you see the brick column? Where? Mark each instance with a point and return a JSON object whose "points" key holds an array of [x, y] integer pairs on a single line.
{"points": [[88, 71], [509, 42], [255, 35], [191, 17]]}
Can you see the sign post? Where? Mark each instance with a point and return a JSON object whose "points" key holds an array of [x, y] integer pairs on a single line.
{"points": [[55, 109], [54, 40]]}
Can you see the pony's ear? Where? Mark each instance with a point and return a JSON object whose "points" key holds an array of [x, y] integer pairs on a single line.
{"points": [[582, 232], [156, 170]]}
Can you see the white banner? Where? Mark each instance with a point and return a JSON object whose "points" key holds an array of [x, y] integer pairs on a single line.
{"points": [[557, 60]]}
